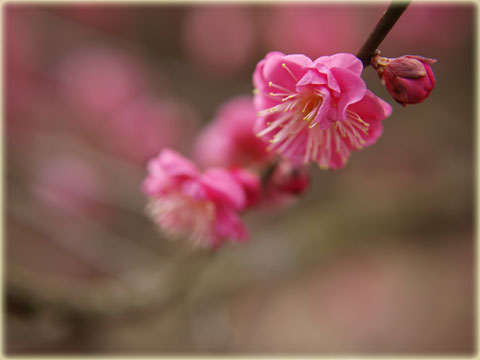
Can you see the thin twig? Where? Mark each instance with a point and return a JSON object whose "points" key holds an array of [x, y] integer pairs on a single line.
{"points": [[383, 27]]}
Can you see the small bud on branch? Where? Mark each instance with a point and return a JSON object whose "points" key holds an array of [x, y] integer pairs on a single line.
{"points": [[409, 79]]}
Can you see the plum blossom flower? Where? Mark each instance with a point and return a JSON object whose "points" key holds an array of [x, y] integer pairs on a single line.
{"points": [[312, 29], [140, 128], [409, 79], [229, 139], [219, 39], [410, 32], [316, 110], [70, 184], [250, 183], [203, 207], [117, 77], [112, 18]]}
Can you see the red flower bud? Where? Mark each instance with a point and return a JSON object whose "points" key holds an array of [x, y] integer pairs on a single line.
{"points": [[289, 179], [409, 79]]}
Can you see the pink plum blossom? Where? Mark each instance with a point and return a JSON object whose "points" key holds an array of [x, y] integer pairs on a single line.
{"points": [[21, 37], [70, 184], [316, 110], [140, 128], [112, 18], [409, 79], [203, 207], [220, 39], [99, 79], [250, 183], [30, 101], [229, 139], [440, 29], [312, 29]]}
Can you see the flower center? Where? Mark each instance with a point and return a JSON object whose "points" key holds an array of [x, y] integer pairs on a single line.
{"points": [[180, 215], [293, 126]]}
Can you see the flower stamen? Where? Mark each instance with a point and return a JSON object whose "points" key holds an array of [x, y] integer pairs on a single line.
{"points": [[290, 72]]}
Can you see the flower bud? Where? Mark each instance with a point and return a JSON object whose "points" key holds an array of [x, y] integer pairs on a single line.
{"points": [[409, 79], [289, 179], [283, 183]]}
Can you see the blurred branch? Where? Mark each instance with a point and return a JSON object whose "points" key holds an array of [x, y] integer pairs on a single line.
{"points": [[159, 283], [383, 27], [157, 288]]}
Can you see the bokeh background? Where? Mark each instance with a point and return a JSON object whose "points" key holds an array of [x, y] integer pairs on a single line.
{"points": [[377, 258]]}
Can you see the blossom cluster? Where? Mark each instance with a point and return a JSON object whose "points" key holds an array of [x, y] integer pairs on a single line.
{"points": [[256, 150]]}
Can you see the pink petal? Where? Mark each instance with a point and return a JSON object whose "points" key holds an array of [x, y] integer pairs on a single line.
{"points": [[371, 107], [312, 77], [229, 225], [343, 61], [194, 189], [288, 76], [352, 88], [259, 80], [223, 188], [250, 183], [175, 164], [331, 80]]}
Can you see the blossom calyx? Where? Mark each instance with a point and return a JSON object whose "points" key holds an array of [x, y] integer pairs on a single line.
{"points": [[409, 79]]}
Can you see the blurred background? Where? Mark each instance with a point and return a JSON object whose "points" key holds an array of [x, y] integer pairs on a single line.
{"points": [[377, 258]]}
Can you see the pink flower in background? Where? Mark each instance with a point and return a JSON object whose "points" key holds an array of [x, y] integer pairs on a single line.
{"points": [[27, 89], [21, 37], [409, 79], [229, 139], [311, 29], [142, 127], [250, 183], [106, 17], [200, 206], [70, 184], [219, 38], [316, 110], [30, 97], [99, 79], [439, 29]]}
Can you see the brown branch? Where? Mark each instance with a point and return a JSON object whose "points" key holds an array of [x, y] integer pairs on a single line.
{"points": [[383, 27]]}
